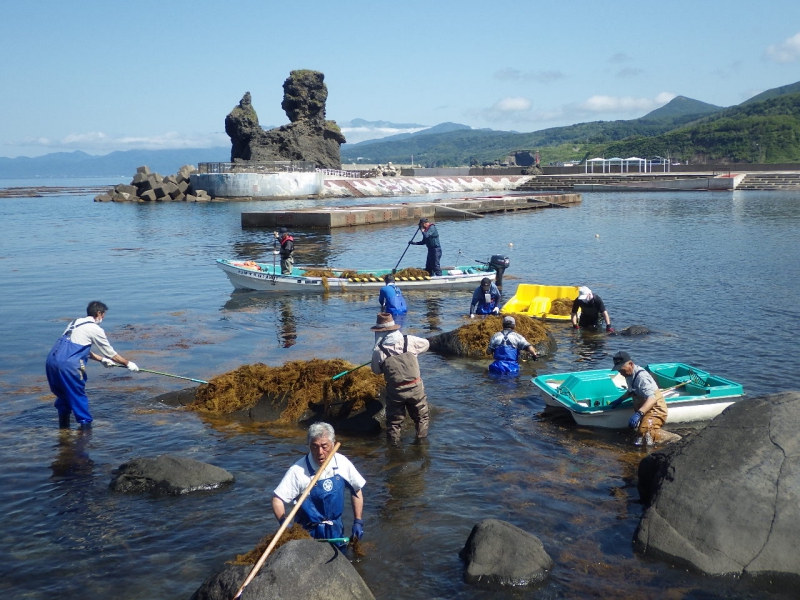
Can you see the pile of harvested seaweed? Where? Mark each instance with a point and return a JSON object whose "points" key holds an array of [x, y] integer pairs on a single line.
{"points": [[294, 385], [562, 306], [295, 532], [411, 272], [325, 273], [475, 336]]}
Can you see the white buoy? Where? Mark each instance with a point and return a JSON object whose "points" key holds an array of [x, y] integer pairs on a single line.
{"points": [[596, 235], [510, 245]]}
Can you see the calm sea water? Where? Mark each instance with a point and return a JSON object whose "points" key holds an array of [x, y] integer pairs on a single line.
{"points": [[714, 274]]}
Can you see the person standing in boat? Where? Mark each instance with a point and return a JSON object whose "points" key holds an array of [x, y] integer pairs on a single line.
{"points": [[506, 347], [287, 251], [66, 364], [485, 299], [592, 308], [391, 298], [321, 512], [430, 238], [648, 402], [395, 356]]}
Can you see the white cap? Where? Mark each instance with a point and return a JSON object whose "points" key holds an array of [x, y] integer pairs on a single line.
{"points": [[584, 293]]}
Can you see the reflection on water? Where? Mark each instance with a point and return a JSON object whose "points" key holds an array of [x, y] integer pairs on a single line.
{"points": [[718, 276]]}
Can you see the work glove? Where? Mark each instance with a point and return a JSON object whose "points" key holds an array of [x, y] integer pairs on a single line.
{"points": [[635, 419], [615, 403], [574, 326], [358, 529], [610, 329], [496, 310], [132, 366], [108, 363]]}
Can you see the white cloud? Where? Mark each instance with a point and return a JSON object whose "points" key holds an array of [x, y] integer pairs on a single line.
{"points": [[98, 142], [785, 52], [512, 104], [625, 104]]}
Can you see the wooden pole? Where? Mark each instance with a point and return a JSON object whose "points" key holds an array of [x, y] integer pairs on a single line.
{"points": [[257, 567]]}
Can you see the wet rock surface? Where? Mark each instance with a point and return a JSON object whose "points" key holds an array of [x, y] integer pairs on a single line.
{"points": [[498, 553], [168, 475], [309, 136], [635, 330], [726, 500], [301, 570]]}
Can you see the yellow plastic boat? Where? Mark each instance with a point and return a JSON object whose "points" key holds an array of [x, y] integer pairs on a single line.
{"points": [[535, 300]]}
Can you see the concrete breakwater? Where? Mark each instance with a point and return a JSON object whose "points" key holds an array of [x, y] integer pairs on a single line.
{"points": [[402, 186], [332, 217]]}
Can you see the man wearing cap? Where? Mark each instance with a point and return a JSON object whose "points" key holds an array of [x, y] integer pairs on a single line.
{"points": [[485, 299], [395, 355], [430, 238], [506, 346], [648, 402], [391, 298], [287, 249], [592, 308]]}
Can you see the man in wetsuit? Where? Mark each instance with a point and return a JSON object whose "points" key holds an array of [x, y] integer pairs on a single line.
{"points": [[592, 308]]}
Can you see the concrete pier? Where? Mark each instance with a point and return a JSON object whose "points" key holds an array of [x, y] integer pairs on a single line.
{"points": [[331, 217]]}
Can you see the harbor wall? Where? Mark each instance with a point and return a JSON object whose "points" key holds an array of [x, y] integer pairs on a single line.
{"points": [[400, 186], [291, 184]]}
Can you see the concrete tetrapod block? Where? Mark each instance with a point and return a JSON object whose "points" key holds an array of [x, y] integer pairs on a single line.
{"points": [[123, 188], [102, 197], [160, 191], [183, 186], [144, 170], [148, 196], [146, 184]]}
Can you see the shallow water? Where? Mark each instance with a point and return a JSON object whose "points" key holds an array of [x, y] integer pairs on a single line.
{"points": [[714, 274]]}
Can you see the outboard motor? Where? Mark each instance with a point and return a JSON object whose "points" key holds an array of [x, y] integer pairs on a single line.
{"points": [[499, 263]]}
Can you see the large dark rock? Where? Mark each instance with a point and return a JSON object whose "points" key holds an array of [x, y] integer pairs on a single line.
{"points": [[635, 330], [168, 475], [309, 136], [298, 570], [727, 499], [499, 553]]}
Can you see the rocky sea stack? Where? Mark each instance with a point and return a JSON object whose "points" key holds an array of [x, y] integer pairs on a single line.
{"points": [[309, 136]]}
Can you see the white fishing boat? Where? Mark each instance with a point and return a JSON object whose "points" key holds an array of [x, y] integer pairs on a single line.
{"points": [[251, 275], [690, 393]]}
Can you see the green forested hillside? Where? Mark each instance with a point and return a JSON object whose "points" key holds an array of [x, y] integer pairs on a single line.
{"points": [[766, 131]]}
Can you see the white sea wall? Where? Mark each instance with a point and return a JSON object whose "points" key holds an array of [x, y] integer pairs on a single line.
{"points": [[401, 186], [295, 184]]}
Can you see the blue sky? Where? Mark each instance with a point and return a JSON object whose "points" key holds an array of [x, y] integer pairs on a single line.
{"points": [[104, 76]]}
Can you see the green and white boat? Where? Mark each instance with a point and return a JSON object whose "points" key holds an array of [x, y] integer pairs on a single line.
{"points": [[691, 394]]}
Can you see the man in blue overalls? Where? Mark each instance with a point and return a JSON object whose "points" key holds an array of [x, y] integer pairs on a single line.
{"points": [[66, 364], [321, 512], [505, 346]]}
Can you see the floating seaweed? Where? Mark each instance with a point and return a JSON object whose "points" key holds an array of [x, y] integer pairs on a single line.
{"points": [[562, 306], [475, 335], [295, 532], [295, 385]]}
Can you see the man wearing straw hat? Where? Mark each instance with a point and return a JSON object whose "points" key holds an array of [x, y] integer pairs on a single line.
{"points": [[321, 512], [395, 355]]}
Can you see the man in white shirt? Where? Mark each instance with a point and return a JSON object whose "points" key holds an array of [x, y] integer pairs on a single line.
{"points": [[66, 364], [321, 512]]}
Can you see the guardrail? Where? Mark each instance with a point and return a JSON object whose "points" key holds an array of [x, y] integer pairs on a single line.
{"points": [[340, 173], [276, 166]]}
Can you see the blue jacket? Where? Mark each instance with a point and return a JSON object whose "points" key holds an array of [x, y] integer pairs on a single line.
{"points": [[392, 301]]}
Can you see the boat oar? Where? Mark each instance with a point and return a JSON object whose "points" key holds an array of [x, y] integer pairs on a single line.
{"points": [[257, 567], [343, 373], [336, 540], [169, 375], [404, 251]]}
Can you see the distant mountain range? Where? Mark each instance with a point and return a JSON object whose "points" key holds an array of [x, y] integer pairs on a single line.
{"points": [[764, 128], [81, 164]]}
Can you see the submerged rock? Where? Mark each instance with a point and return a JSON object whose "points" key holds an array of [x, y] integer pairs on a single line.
{"points": [[499, 553], [727, 499], [168, 475], [301, 570], [635, 330], [309, 136]]}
